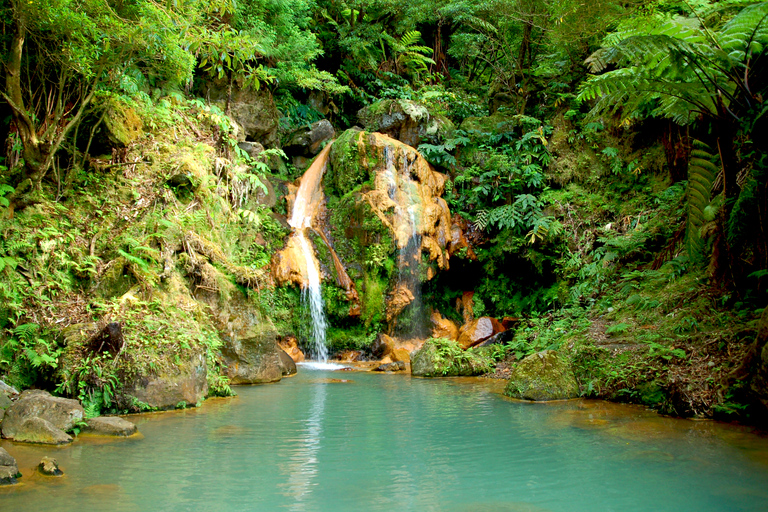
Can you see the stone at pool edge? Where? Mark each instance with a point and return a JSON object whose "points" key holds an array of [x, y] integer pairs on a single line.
{"points": [[39, 431], [56, 416], [9, 470], [397, 366], [541, 377], [110, 426]]}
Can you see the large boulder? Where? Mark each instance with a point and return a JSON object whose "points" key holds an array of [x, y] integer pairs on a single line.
{"points": [[254, 360], [61, 414], [479, 330], [542, 376], [184, 384], [406, 121], [110, 426], [9, 470], [444, 358]]}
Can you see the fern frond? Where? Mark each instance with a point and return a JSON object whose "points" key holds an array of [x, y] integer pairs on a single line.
{"points": [[702, 173]]}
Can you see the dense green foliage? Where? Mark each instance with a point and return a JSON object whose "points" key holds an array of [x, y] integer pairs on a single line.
{"points": [[604, 163]]}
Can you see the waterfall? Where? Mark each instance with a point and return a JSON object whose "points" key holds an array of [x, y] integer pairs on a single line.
{"points": [[307, 200], [403, 191]]}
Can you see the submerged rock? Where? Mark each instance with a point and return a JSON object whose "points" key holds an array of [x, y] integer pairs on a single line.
{"points": [[445, 358], [49, 467], [110, 426], [9, 470], [61, 414], [542, 376]]}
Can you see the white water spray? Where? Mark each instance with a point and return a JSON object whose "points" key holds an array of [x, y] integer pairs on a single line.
{"points": [[307, 199]]}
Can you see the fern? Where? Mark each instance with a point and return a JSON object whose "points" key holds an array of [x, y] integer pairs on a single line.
{"points": [[702, 172]]}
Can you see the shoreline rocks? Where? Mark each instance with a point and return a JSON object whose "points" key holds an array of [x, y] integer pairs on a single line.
{"points": [[38, 417], [541, 377], [9, 470], [110, 426]]}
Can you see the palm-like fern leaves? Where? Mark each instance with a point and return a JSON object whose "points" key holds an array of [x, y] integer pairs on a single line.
{"points": [[684, 70]]}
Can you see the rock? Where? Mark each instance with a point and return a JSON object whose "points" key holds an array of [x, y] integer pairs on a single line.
{"points": [[49, 467], [254, 111], [9, 470], [110, 426], [291, 347], [252, 149], [38, 430], [479, 330], [542, 376], [308, 141], [254, 360], [186, 384], [349, 356], [108, 339], [510, 322], [5, 401], [497, 339], [443, 327], [287, 365], [61, 413], [429, 362], [121, 126], [382, 346], [397, 366], [9, 391], [400, 355], [406, 121]]}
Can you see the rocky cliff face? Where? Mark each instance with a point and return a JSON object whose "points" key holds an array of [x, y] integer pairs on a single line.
{"points": [[382, 210]]}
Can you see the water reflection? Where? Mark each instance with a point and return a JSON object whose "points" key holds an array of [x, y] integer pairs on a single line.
{"points": [[303, 463]]}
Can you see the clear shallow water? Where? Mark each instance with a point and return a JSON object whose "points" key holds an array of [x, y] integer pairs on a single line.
{"points": [[346, 441]]}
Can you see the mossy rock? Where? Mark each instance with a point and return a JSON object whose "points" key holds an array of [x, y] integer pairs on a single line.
{"points": [[439, 357], [406, 121], [123, 125], [542, 376], [349, 164]]}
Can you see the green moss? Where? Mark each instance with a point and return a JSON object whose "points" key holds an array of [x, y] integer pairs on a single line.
{"points": [[349, 164], [440, 357], [542, 376]]}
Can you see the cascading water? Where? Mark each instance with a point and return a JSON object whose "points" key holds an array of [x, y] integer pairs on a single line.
{"points": [[307, 198], [403, 191]]}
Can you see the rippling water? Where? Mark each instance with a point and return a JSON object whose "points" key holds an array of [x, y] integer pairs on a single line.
{"points": [[345, 441]]}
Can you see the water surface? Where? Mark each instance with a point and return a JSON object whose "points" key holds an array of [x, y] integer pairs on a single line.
{"points": [[347, 441]]}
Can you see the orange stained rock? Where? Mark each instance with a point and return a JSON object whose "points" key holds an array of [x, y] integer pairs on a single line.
{"points": [[479, 330], [443, 327], [401, 354], [291, 347]]}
